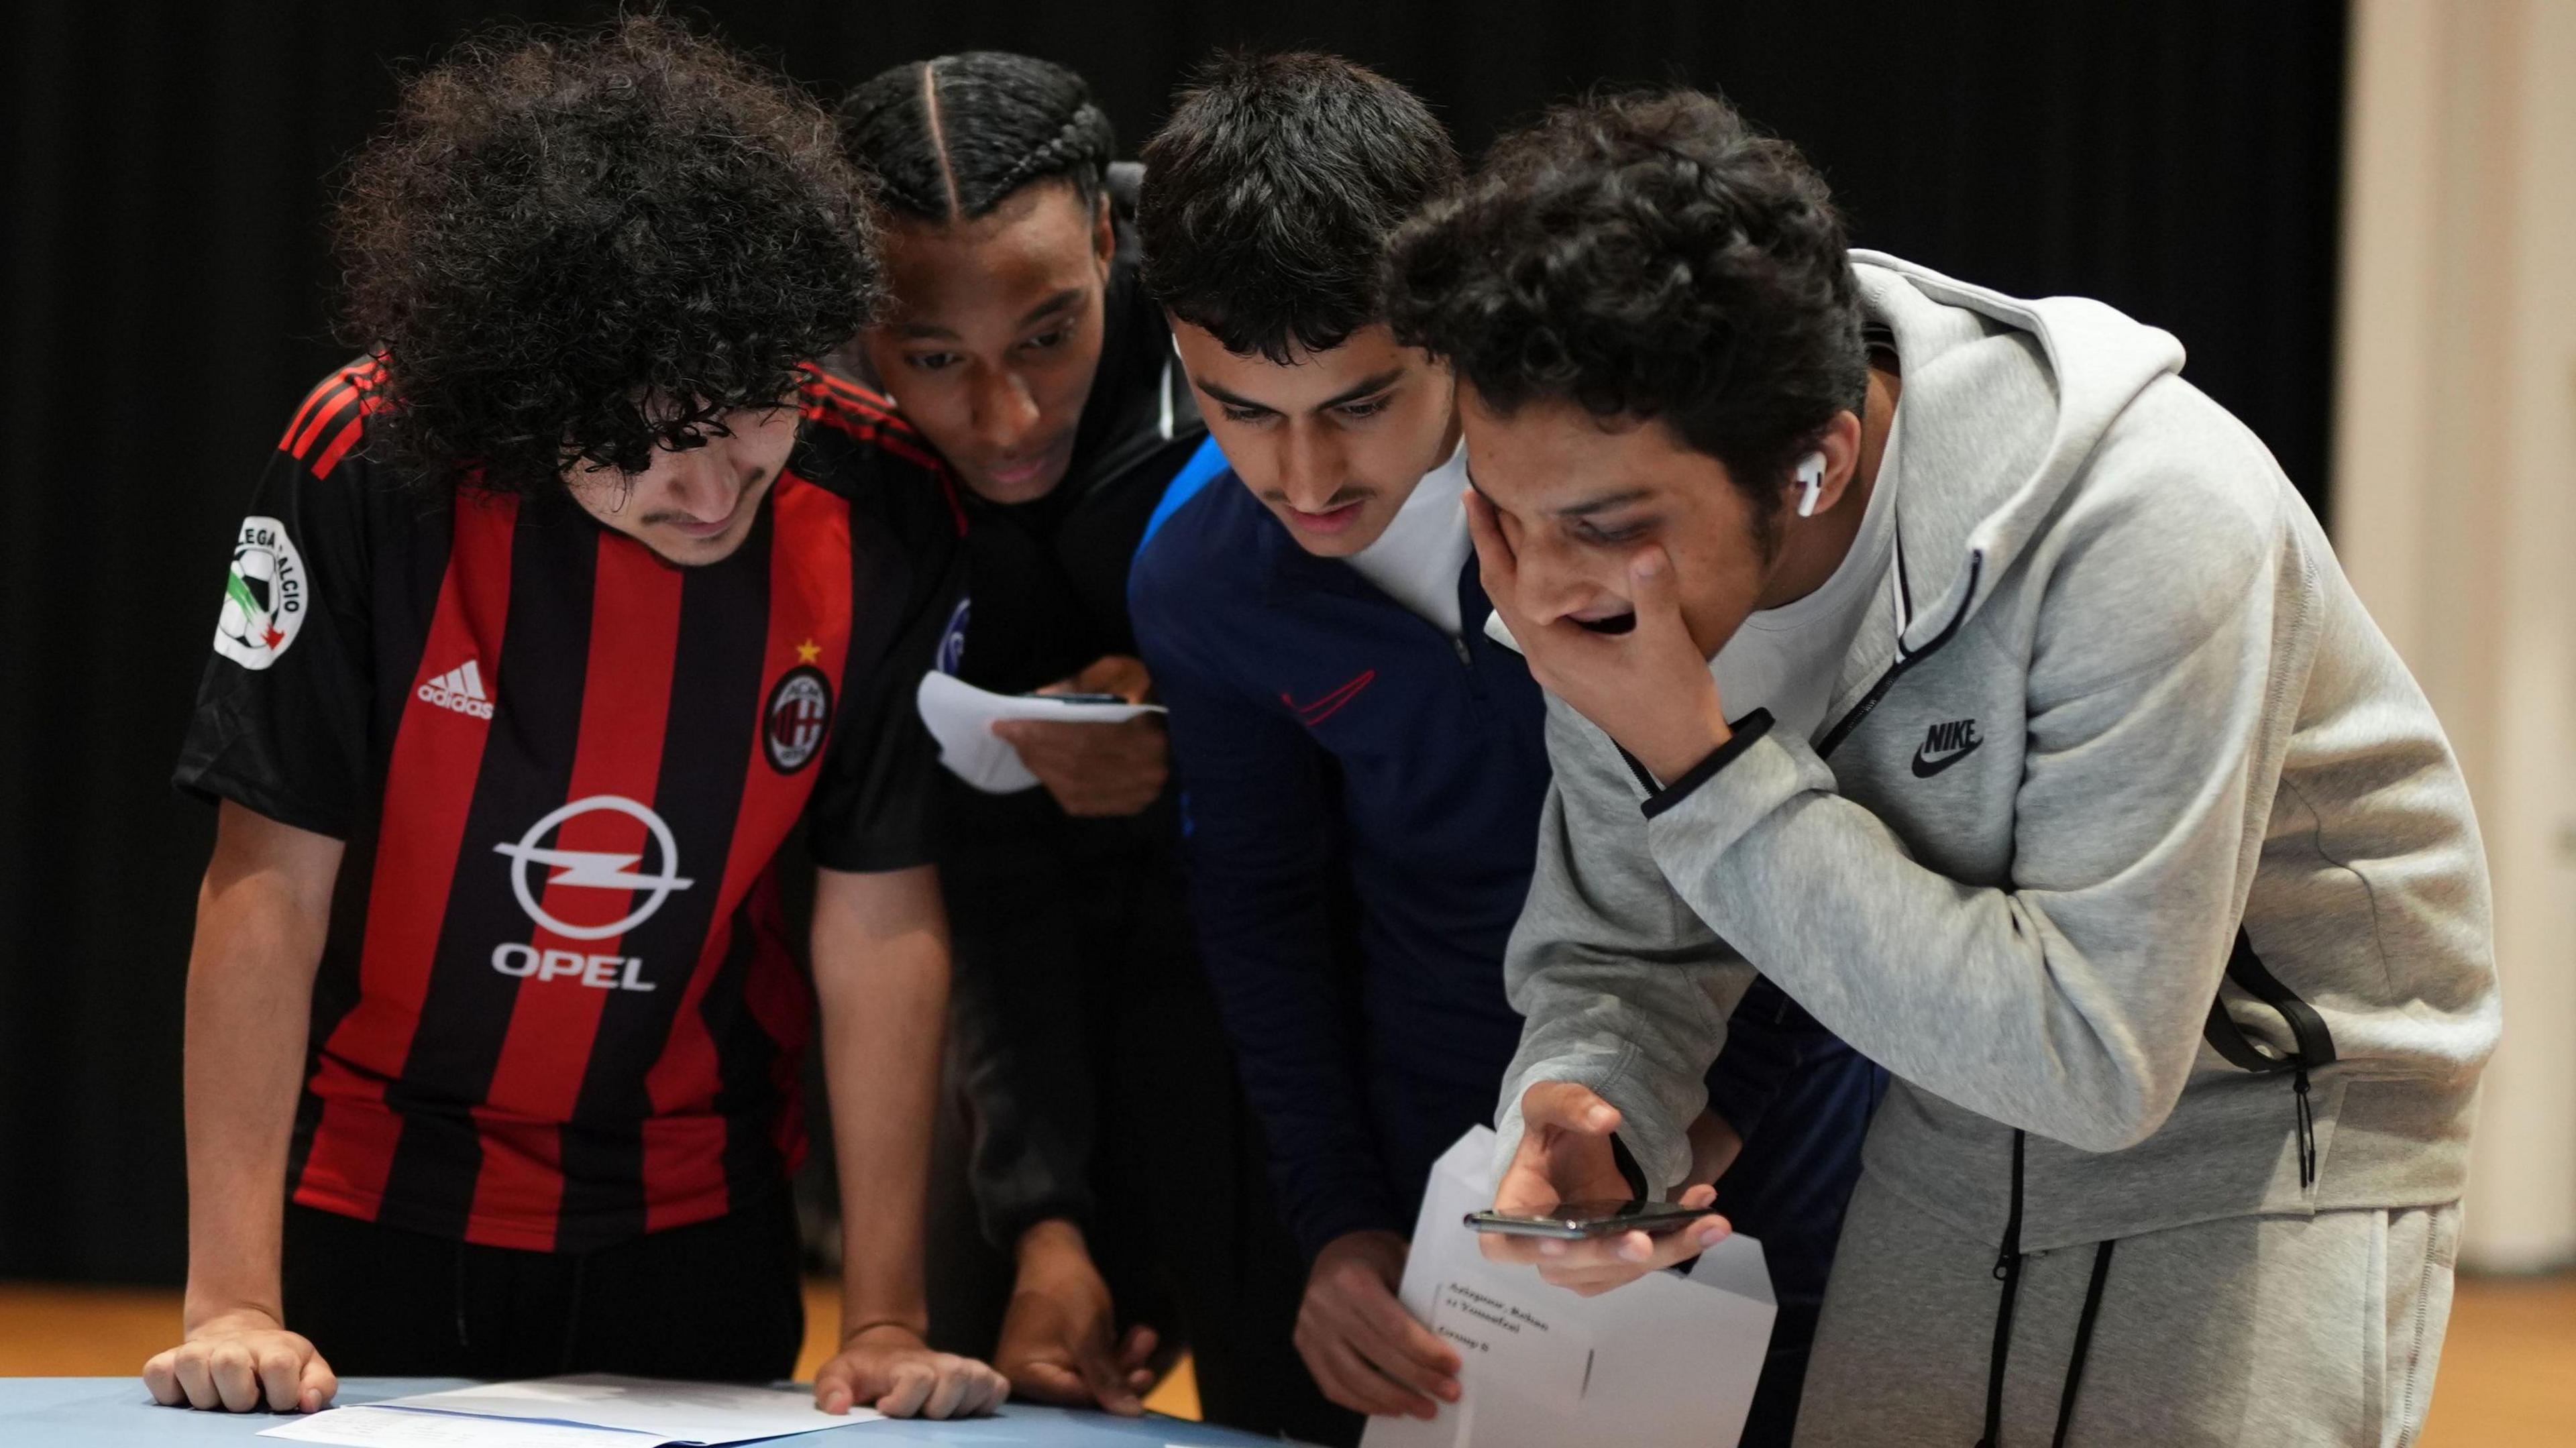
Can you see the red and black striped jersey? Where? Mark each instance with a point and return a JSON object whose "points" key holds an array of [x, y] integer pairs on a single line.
{"points": [[557, 1007]]}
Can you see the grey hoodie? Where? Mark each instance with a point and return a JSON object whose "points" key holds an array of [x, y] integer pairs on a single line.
{"points": [[2117, 699]]}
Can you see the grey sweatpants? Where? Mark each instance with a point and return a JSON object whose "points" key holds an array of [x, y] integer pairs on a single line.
{"points": [[2281, 1331]]}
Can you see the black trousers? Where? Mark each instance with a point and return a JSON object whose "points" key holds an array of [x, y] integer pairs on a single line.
{"points": [[717, 1300]]}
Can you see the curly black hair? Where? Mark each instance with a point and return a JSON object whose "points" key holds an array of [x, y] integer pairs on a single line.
{"points": [[580, 245], [1269, 195], [950, 139], [1647, 255]]}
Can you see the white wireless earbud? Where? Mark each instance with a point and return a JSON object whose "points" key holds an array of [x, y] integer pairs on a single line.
{"points": [[1811, 479]]}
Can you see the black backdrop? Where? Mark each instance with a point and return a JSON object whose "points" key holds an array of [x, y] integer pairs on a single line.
{"points": [[163, 292]]}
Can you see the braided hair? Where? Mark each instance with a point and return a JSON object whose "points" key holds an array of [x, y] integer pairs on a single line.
{"points": [[949, 139]]}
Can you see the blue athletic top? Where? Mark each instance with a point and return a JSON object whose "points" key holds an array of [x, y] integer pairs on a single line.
{"points": [[1361, 795]]}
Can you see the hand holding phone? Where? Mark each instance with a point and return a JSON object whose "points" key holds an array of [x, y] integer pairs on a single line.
{"points": [[1577, 1221], [1566, 1154]]}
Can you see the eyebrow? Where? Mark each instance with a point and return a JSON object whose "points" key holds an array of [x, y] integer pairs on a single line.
{"points": [[1052, 305], [1602, 503], [1353, 393]]}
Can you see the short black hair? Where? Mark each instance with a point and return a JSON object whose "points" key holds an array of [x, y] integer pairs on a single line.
{"points": [[1645, 255], [583, 244], [1270, 193], [952, 138]]}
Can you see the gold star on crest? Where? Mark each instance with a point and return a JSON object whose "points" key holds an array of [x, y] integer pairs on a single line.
{"points": [[808, 651]]}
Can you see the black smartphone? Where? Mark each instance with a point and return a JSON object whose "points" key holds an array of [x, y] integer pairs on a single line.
{"points": [[1575, 1221]]}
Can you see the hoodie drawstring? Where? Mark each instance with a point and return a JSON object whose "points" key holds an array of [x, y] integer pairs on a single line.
{"points": [[2083, 1341]]}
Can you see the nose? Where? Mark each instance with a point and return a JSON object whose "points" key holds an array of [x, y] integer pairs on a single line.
{"points": [[1552, 582], [702, 482], [1005, 413], [1311, 468]]}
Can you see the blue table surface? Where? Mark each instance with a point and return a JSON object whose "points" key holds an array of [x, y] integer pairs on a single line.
{"points": [[117, 1413]]}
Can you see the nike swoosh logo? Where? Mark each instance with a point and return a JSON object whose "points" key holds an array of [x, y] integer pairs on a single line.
{"points": [[1331, 704], [1925, 766]]}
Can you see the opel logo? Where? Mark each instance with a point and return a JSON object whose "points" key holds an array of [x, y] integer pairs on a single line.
{"points": [[594, 869]]}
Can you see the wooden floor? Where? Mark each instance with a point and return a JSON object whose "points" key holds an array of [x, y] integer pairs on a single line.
{"points": [[2508, 1371]]}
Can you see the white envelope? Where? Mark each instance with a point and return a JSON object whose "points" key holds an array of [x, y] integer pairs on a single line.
{"points": [[961, 718], [1667, 1361]]}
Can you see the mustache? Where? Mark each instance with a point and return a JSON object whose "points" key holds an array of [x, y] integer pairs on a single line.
{"points": [[675, 515]]}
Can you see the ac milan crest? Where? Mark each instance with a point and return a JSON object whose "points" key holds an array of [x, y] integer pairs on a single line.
{"points": [[797, 717]]}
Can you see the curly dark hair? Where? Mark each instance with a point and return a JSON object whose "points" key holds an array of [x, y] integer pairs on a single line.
{"points": [[581, 245], [1646, 255], [949, 139], [1269, 195]]}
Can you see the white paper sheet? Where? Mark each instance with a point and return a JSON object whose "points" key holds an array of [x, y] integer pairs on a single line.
{"points": [[676, 1412], [374, 1427], [961, 717], [1665, 1362], [1547, 1358]]}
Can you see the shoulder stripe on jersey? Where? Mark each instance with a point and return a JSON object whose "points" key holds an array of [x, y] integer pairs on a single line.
{"points": [[829, 404], [369, 403], [333, 390], [865, 399], [302, 444], [1203, 465], [824, 393]]}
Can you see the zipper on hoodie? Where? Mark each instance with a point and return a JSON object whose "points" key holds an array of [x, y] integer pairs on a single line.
{"points": [[1851, 719], [1467, 666]]}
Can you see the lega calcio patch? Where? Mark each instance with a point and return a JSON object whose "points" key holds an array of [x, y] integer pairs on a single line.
{"points": [[265, 596]]}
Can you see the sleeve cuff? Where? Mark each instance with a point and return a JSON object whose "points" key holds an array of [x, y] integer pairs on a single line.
{"points": [[1005, 1224], [1316, 1230], [1626, 1161], [864, 857], [214, 784], [1743, 734], [1648, 1140]]}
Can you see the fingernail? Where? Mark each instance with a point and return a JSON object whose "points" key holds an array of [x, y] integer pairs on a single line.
{"points": [[1634, 1251], [1599, 1118], [1551, 1249]]}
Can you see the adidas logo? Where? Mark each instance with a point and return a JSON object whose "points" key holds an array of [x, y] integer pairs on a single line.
{"points": [[460, 689]]}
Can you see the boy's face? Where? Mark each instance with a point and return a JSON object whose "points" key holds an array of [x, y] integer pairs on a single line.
{"points": [[1577, 496], [995, 332], [1331, 442], [695, 505]]}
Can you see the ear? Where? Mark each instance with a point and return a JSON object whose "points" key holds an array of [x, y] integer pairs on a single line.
{"points": [[1104, 234], [1840, 443]]}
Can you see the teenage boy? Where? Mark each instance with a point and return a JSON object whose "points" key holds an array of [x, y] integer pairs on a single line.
{"points": [[1067, 1235], [553, 617], [2045, 755], [1363, 766]]}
